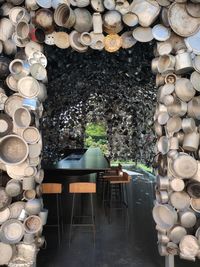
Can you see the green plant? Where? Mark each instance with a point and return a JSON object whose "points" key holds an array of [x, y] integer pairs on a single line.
{"points": [[96, 136], [132, 163], [95, 129]]}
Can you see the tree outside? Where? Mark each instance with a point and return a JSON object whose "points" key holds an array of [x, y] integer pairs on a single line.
{"points": [[96, 136]]}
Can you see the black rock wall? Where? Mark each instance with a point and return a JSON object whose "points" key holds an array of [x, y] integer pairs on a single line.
{"points": [[97, 86]]}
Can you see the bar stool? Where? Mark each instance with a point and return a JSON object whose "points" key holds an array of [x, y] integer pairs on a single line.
{"points": [[82, 188], [112, 171], [117, 193], [55, 189]]}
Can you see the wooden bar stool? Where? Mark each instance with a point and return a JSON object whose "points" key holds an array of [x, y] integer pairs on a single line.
{"points": [[82, 188], [55, 189], [112, 171], [117, 193]]}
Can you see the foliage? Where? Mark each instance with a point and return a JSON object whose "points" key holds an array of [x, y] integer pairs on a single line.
{"points": [[96, 136], [95, 129], [132, 163]]}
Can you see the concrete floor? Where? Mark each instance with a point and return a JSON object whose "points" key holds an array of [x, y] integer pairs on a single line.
{"points": [[115, 245]]}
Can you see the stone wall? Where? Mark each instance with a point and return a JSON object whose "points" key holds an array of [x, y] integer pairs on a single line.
{"points": [[115, 88]]}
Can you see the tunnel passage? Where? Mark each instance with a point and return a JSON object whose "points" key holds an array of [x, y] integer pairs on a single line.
{"points": [[100, 86]]}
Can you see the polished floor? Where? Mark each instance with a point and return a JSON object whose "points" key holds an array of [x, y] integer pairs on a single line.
{"points": [[116, 246]]}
